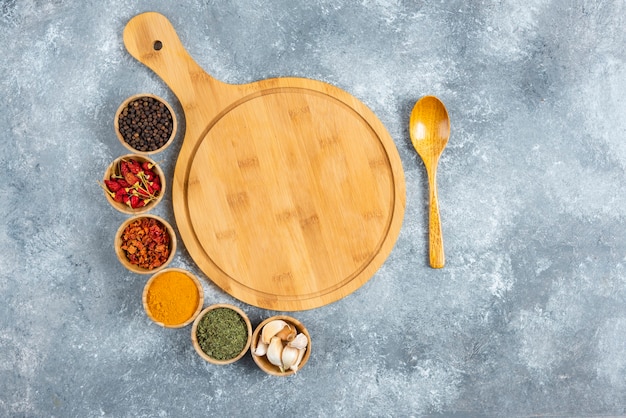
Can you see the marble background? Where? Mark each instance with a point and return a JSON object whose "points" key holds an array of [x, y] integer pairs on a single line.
{"points": [[528, 318]]}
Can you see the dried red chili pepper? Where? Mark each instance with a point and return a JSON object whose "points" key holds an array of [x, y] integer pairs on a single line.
{"points": [[149, 175], [131, 178], [119, 195], [123, 183], [133, 183], [133, 202], [134, 166], [113, 185], [124, 168]]}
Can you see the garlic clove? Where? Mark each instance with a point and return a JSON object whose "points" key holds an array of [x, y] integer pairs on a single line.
{"points": [[270, 329], [261, 349], [289, 357], [275, 351], [288, 333], [296, 364], [300, 341]]}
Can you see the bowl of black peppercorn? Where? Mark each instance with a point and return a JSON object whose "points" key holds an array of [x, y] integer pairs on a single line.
{"points": [[145, 124]]}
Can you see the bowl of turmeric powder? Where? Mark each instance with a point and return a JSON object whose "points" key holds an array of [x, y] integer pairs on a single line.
{"points": [[173, 298]]}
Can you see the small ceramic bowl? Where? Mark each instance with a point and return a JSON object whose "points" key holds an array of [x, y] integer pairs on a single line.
{"points": [[178, 291], [140, 222], [196, 343], [262, 361], [114, 170], [147, 148]]}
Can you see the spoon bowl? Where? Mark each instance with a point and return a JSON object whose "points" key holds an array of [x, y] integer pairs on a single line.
{"points": [[429, 128]]}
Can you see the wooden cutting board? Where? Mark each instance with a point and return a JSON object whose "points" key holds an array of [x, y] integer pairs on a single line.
{"points": [[288, 193]]}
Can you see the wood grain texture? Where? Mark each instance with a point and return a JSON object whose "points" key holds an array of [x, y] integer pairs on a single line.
{"points": [[429, 127], [288, 193]]}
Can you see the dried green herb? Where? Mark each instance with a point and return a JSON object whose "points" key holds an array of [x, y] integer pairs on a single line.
{"points": [[222, 333]]}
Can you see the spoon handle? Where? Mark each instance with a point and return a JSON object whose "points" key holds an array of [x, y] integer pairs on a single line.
{"points": [[435, 236]]}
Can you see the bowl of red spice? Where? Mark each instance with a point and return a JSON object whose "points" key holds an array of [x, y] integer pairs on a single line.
{"points": [[173, 297], [134, 184], [145, 243], [221, 334], [281, 345], [145, 124]]}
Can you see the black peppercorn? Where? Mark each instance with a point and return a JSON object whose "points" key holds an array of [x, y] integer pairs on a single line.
{"points": [[145, 124]]}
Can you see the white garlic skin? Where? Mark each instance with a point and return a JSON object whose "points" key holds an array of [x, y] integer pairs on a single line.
{"points": [[296, 364], [282, 345], [299, 342], [271, 329], [275, 351], [288, 333], [261, 349], [289, 358]]}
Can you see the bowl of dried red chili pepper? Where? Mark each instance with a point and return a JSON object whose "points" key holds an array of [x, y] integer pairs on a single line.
{"points": [[145, 244], [145, 124], [133, 184]]}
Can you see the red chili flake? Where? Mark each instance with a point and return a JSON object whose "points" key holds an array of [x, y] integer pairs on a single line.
{"points": [[146, 243]]}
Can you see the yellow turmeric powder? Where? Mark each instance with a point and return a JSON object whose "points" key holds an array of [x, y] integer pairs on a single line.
{"points": [[172, 298]]}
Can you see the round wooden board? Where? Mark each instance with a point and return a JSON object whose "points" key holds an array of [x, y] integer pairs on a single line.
{"points": [[288, 193]]}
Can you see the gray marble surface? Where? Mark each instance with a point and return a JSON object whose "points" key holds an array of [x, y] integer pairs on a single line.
{"points": [[528, 317]]}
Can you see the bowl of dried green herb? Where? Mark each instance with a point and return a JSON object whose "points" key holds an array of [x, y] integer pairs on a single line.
{"points": [[145, 124], [221, 334]]}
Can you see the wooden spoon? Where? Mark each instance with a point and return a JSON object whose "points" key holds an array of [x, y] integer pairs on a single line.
{"points": [[429, 128]]}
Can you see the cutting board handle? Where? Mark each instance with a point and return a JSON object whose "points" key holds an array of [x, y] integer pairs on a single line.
{"points": [[152, 40]]}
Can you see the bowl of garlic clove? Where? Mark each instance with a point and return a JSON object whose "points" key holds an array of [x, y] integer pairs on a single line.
{"points": [[280, 345]]}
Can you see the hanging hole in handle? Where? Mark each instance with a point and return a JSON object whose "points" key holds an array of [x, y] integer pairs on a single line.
{"points": [[157, 45]]}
